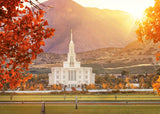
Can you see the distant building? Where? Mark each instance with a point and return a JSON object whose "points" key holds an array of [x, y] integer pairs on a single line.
{"points": [[71, 74], [136, 85], [116, 75]]}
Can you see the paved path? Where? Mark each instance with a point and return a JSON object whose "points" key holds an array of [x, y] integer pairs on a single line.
{"points": [[83, 103], [139, 65]]}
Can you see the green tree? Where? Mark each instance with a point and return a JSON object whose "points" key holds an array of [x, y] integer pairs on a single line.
{"points": [[125, 73]]}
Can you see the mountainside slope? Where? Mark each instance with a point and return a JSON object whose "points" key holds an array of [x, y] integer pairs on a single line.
{"points": [[137, 53], [92, 28], [134, 53], [89, 57]]}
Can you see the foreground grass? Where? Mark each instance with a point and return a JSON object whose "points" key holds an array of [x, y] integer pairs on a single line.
{"points": [[50, 109], [80, 97], [104, 110], [10, 109]]}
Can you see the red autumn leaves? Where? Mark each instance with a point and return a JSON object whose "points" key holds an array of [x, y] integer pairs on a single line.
{"points": [[22, 34]]}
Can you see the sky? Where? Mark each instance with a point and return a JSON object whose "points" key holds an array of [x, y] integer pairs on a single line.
{"points": [[134, 7]]}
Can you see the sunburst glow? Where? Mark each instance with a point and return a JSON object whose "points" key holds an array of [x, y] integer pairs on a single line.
{"points": [[134, 7]]}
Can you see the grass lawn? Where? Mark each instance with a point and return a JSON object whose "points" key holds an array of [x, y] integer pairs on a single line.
{"points": [[50, 109], [103, 110], [80, 97], [18, 109]]}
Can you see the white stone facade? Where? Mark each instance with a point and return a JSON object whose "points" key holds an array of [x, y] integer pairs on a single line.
{"points": [[71, 74]]}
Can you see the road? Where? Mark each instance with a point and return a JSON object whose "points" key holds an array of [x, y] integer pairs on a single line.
{"points": [[85, 103], [139, 65]]}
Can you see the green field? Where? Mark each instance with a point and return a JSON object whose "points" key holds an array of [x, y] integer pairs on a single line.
{"points": [[50, 109], [80, 97]]}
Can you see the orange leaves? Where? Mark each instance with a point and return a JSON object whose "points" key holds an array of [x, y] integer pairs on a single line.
{"points": [[149, 25], [32, 88], [33, 56], [21, 39], [91, 86], [41, 12], [54, 87], [1, 86], [121, 85], [11, 61], [59, 87], [116, 86], [21, 5], [158, 56], [158, 80], [45, 23], [3, 62], [156, 86], [41, 87], [30, 76], [104, 86], [42, 43]]}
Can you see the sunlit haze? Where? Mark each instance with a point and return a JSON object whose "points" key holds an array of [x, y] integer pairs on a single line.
{"points": [[135, 7]]}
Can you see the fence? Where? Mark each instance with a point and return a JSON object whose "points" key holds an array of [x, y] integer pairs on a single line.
{"points": [[79, 99], [71, 98], [93, 90]]}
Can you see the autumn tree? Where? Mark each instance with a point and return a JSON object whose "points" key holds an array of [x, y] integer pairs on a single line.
{"points": [[91, 86], [35, 86], [121, 86], [149, 25], [127, 82], [27, 86], [125, 73], [104, 86], [158, 71], [156, 85], [100, 79], [22, 34], [54, 87], [23, 86], [59, 87], [32, 88], [116, 86], [141, 82], [41, 87], [132, 86]]}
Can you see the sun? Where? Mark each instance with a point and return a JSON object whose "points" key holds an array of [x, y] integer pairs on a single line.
{"points": [[137, 15], [134, 7]]}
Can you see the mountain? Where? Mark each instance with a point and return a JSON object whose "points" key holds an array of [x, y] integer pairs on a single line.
{"points": [[137, 53], [134, 53], [90, 57], [92, 28]]}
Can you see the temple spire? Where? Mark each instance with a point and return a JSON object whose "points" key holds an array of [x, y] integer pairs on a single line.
{"points": [[71, 36], [71, 45], [71, 61]]}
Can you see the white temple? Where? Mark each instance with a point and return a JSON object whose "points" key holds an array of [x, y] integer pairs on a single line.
{"points": [[71, 74]]}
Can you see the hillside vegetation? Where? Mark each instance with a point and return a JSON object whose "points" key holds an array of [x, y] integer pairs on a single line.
{"points": [[108, 60]]}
